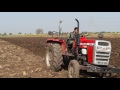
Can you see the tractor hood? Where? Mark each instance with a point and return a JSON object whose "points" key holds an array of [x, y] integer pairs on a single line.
{"points": [[84, 40]]}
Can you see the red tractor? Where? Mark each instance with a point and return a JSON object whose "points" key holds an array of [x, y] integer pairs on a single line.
{"points": [[84, 55]]}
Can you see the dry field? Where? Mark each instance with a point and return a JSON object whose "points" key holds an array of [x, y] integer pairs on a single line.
{"points": [[24, 57]]}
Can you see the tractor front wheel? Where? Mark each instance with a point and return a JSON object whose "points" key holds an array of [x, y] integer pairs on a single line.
{"points": [[73, 69]]}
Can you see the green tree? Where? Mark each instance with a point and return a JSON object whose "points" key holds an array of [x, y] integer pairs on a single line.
{"points": [[49, 33], [4, 34], [39, 31], [19, 33], [10, 33]]}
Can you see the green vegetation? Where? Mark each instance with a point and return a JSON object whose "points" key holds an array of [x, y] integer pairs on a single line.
{"points": [[65, 34]]}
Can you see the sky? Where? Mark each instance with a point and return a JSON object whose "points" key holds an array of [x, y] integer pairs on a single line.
{"points": [[29, 22]]}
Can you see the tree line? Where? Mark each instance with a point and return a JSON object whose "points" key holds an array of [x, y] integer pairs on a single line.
{"points": [[41, 31]]}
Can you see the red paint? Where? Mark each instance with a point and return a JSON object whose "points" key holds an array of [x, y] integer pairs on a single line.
{"points": [[82, 40], [89, 48], [90, 54], [63, 47], [60, 41], [54, 40]]}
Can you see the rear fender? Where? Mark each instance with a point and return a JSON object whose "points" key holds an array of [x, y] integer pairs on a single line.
{"points": [[61, 42]]}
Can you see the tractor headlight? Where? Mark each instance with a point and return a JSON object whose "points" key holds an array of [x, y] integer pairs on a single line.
{"points": [[84, 51]]}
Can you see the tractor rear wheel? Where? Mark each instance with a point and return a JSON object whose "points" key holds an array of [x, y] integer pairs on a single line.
{"points": [[54, 58], [73, 69]]}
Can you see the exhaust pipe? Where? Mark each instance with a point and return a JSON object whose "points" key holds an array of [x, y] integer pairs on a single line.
{"points": [[78, 35], [77, 24], [77, 41]]}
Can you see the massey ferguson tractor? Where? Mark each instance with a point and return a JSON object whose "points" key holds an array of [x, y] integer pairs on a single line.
{"points": [[84, 55]]}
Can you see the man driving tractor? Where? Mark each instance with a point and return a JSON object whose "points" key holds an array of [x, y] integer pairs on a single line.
{"points": [[73, 35], [71, 38]]}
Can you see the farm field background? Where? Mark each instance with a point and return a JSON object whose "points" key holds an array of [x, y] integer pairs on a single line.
{"points": [[24, 56]]}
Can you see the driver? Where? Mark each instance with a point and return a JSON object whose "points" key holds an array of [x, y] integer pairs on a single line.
{"points": [[73, 35]]}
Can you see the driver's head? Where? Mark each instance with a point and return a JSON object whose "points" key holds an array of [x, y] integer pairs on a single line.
{"points": [[75, 30]]}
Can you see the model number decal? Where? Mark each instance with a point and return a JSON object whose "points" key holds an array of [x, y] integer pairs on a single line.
{"points": [[102, 63]]}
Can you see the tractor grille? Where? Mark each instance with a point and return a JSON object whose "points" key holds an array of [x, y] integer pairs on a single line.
{"points": [[103, 43], [103, 56], [102, 59], [107, 53]]}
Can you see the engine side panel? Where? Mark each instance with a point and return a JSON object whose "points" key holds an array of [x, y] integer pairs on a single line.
{"points": [[90, 54], [89, 45]]}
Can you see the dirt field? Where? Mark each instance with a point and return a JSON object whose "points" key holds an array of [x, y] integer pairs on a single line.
{"points": [[23, 57]]}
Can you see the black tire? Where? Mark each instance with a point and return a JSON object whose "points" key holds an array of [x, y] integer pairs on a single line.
{"points": [[73, 69], [54, 58]]}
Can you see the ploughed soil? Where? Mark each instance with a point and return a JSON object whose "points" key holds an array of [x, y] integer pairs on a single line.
{"points": [[24, 57]]}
